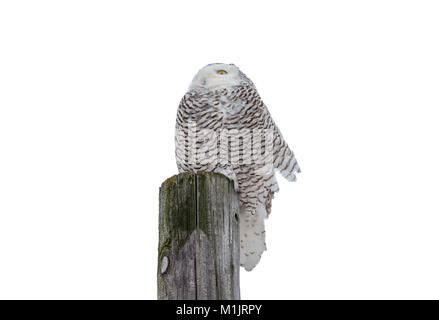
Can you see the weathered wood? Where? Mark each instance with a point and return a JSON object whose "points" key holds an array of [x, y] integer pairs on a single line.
{"points": [[198, 255]]}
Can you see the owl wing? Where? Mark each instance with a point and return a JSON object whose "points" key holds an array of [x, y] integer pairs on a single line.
{"points": [[284, 159], [182, 132]]}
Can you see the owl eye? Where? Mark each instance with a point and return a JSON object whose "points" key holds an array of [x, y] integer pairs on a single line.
{"points": [[221, 71]]}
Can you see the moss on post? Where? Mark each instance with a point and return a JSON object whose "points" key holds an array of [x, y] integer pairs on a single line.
{"points": [[198, 254]]}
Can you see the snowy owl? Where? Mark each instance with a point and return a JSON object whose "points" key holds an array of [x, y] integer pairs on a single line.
{"points": [[223, 126]]}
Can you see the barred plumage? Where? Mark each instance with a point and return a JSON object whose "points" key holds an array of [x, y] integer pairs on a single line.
{"points": [[223, 126]]}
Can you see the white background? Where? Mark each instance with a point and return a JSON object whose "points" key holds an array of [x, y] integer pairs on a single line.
{"points": [[88, 98]]}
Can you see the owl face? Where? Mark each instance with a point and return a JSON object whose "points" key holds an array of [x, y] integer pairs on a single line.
{"points": [[217, 75]]}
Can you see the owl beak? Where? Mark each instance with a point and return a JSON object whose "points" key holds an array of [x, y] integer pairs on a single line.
{"points": [[203, 81]]}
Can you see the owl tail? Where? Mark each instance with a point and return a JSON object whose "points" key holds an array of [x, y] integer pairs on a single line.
{"points": [[252, 233]]}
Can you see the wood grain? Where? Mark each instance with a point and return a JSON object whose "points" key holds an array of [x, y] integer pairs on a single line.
{"points": [[198, 256]]}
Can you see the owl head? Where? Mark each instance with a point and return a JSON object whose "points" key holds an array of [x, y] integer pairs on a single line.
{"points": [[218, 75]]}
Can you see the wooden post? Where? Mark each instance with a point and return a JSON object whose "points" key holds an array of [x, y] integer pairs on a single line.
{"points": [[198, 256]]}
